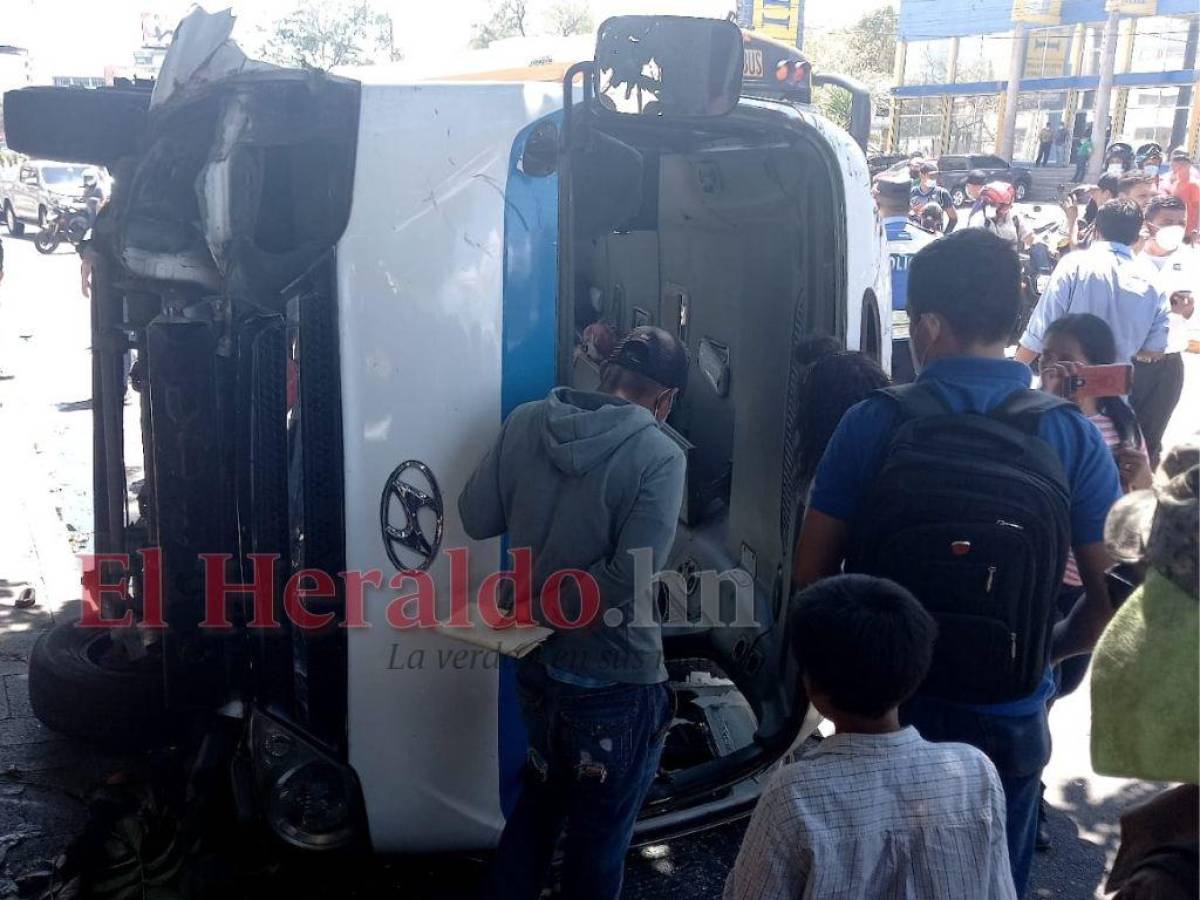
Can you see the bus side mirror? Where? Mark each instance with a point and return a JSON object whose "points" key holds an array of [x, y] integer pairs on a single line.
{"points": [[668, 66]]}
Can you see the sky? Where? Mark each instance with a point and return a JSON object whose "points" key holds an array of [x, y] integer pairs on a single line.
{"points": [[80, 37]]}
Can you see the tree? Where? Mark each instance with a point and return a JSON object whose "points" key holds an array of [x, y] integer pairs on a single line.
{"points": [[568, 17], [871, 42], [322, 34], [507, 20], [865, 50]]}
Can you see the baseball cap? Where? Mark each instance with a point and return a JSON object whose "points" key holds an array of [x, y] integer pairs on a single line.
{"points": [[929, 168], [653, 353], [893, 187], [977, 176], [1180, 155]]}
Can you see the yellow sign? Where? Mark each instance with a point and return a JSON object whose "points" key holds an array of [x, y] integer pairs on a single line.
{"points": [[1132, 7], [1037, 12], [1047, 54], [778, 19]]}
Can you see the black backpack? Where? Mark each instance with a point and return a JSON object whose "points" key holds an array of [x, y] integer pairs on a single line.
{"points": [[970, 512]]}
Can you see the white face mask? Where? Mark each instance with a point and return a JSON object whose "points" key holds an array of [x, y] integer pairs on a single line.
{"points": [[1169, 238]]}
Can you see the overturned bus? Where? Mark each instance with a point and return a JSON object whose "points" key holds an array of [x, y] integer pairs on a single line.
{"points": [[325, 295]]}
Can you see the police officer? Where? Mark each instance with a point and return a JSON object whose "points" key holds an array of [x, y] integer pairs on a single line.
{"points": [[904, 239]]}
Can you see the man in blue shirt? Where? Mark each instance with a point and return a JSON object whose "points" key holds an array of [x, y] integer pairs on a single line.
{"points": [[1104, 280], [958, 346], [929, 191], [904, 239]]}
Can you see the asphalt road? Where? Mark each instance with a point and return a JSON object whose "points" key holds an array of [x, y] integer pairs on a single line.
{"points": [[46, 425]]}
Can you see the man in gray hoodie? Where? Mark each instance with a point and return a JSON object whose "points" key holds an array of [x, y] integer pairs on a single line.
{"points": [[584, 480]]}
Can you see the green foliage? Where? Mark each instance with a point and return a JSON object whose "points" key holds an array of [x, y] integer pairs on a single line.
{"points": [[865, 50], [508, 19], [870, 43], [511, 18], [568, 17], [322, 34]]}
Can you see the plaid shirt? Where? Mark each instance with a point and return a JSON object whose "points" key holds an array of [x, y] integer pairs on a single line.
{"points": [[878, 816]]}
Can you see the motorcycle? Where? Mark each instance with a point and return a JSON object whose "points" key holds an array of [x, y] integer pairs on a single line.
{"points": [[68, 223]]}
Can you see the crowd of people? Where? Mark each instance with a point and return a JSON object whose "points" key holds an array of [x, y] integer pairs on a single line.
{"points": [[951, 576], [1130, 257]]}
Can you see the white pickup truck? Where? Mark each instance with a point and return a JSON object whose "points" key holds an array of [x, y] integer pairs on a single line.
{"points": [[33, 189]]}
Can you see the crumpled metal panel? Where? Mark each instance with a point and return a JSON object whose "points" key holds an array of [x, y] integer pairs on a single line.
{"points": [[201, 54]]}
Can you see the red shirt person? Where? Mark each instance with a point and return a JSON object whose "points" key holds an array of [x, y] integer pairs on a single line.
{"points": [[1182, 185]]}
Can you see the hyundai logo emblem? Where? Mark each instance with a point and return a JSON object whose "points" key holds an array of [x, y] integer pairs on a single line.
{"points": [[410, 491]]}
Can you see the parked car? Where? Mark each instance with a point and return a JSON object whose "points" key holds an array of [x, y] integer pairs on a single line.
{"points": [[953, 169], [876, 163], [37, 190]]}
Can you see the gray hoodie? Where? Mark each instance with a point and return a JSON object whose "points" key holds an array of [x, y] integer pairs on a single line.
{"points": [[581, 479]]}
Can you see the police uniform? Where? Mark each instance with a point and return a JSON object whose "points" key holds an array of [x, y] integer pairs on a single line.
{"points": [[904, 240]]}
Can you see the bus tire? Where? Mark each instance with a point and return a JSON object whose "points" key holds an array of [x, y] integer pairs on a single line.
{"points": [[870, 340], [78, 686]]}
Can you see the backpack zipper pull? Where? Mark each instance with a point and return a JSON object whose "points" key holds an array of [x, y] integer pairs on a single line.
{"points": [[991, 577], [1013, 636]]}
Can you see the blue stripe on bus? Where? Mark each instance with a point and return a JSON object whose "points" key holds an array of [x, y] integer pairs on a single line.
{"points": [[527, 372]]}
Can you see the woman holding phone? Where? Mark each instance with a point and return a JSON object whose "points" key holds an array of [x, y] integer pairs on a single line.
{"points": [[1077, 346], [1079, 363]]}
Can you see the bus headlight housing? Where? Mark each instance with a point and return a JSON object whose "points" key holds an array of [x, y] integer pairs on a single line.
{"points": [[309, 799]]}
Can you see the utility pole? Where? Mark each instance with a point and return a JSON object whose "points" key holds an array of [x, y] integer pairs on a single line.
{"points": [[800, 26], [1179, 128], [1108, 65], [1016, 69]]}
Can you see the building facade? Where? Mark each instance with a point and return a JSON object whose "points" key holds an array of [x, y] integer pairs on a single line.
{"points": [[955, 59]]}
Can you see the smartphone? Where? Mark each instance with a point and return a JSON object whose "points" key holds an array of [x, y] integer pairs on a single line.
{"points": [[1101, 381], [1122, 580]]}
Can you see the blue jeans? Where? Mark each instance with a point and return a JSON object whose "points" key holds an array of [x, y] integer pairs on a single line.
{"points": [[1019, 748], [593, 754]]}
